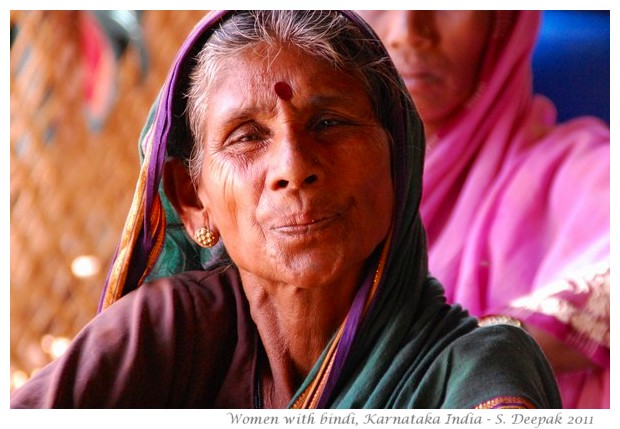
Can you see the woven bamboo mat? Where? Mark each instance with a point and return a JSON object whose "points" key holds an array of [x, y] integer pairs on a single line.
{"points": [[71, 180]]}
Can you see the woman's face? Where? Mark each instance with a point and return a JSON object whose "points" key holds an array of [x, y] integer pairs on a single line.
{"points": [[438, 53], [300, 189]]}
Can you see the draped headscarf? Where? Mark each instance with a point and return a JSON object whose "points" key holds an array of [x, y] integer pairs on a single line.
{"points": [[152, 225], [516, 208], [398, 323]]}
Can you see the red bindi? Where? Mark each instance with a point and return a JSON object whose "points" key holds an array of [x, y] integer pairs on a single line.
{"points": [[283, 90]]}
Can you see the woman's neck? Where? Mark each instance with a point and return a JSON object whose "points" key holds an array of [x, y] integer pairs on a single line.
{"points": [[295, 326]]}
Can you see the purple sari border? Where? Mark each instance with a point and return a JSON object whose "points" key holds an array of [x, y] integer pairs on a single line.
{"points": [[163, 121]]}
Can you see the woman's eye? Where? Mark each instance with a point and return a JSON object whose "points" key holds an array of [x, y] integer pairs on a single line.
{"points": [[246, 134], [248, 138], [325, 123]]}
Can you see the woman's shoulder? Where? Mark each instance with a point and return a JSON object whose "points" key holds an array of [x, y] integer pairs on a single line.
{"points": [[204, 288], [501, 363], [207, 285], [496, 340], [206, 298], [577, 137]]}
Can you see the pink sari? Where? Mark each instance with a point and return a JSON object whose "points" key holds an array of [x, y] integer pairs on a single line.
{"points": [[517, 210]]}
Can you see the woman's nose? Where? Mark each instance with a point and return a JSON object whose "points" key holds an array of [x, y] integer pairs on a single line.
{"points": [[293, 164], [409, 28]]}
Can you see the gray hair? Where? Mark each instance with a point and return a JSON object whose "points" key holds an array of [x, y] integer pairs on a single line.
{"points": [[324, 34]]}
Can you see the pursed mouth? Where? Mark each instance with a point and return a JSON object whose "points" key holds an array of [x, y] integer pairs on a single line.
{"points": [[304, 224]]}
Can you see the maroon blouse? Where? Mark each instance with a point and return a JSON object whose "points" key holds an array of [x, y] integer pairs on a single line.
{"points": [[182, 342]]}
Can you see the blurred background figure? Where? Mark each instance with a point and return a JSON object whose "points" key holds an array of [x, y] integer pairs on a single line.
{"points": [[516, 202]]}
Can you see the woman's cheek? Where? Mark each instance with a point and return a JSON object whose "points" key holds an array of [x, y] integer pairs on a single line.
{"points": [[232, 193]]}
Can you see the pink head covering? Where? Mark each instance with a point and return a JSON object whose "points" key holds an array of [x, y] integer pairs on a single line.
{"points": [[517, 208]]}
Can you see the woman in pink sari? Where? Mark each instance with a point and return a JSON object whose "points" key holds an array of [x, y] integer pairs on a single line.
{"points": [[516, 206]]}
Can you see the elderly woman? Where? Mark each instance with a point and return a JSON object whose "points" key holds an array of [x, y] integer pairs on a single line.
{"points": [[516, 206], [287, 146]]}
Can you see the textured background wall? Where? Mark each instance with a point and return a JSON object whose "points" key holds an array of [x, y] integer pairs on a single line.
{"points": [[81, 86]]}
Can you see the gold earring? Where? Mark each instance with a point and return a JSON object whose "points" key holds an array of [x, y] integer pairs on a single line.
{"points": [[205, 237]]}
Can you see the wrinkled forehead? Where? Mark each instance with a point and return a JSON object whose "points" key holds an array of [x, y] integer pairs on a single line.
{"points": [[284, 71], [263, 64]]}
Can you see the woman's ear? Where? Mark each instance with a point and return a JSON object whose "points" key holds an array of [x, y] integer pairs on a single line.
{"points": [[182, 194]]}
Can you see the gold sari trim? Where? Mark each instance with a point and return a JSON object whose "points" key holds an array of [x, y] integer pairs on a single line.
{"points": [[506, 402], [131, 232], [309, 398]]}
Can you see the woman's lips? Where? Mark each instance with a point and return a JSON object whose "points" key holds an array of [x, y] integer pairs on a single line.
{"points": [[419, 72], [304, 223], [420, 80]]}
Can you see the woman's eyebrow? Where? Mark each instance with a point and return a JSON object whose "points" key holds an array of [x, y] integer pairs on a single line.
{"points": [[332, 99], [238, 113]]}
